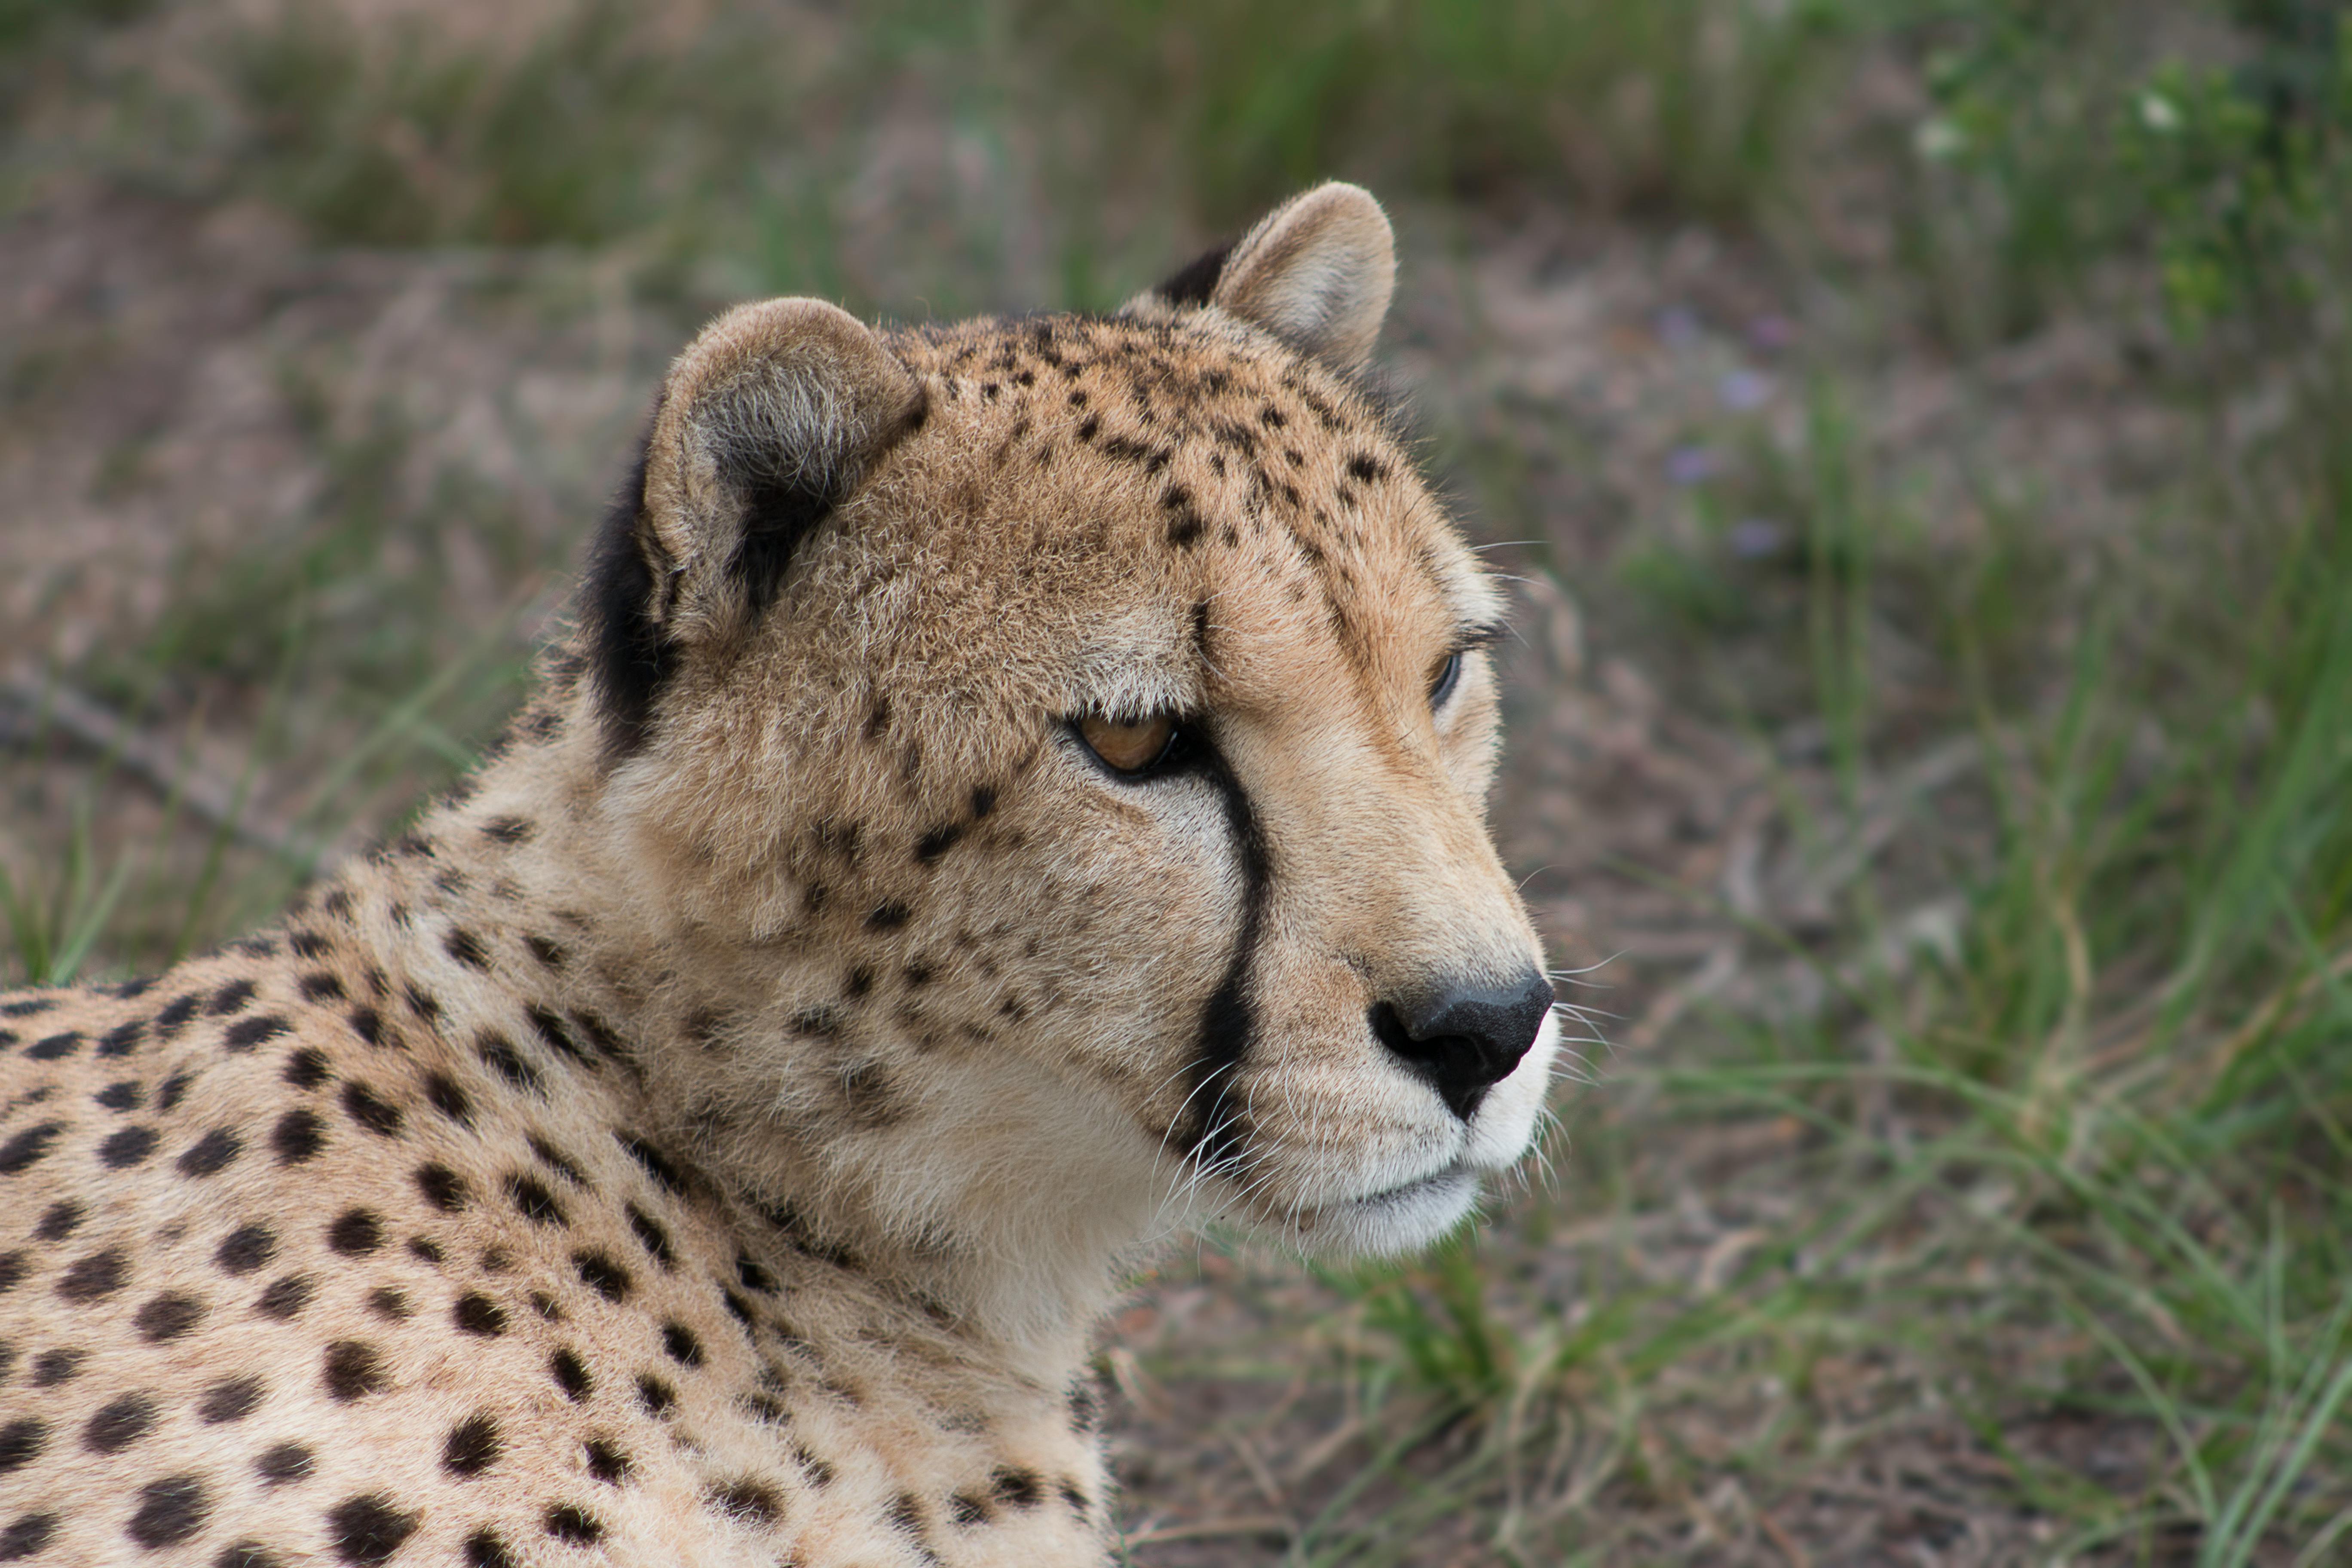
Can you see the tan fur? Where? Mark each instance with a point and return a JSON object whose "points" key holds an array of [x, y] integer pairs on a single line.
{"points": [[804, 1064]]}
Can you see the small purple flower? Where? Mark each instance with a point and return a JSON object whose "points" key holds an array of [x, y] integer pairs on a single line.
{"points": [[1690, 465], [1741, 390], [1754, 538]]}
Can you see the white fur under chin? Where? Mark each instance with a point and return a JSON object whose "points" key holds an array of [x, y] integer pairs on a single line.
{"points": [[1415, 1210]]}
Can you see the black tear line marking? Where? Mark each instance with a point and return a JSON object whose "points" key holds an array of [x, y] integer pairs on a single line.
{"points": [[1214, 1130]]}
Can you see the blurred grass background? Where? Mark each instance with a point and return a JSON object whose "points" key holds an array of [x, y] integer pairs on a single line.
{"points": [[1916, 426]]}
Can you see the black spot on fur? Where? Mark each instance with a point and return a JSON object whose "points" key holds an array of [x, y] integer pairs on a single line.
{"points": [[90, 1279], [485, 1550], [128, 1147], [119, 1424], [443, 1188], [477, 1314], [21, 1442], [59, 1221], [167, 1097], [378, 1116], [601, 1274], [368, 1024], [286, 1297], [122, 1039], [29, 1147], [442, 1092], [534, 1201], [606, 1462], [500, 1053], [230, 998], [308, 1068], [574, 1525], [887, 917], [53, 1367], [352, 1370], [652, 1236], [25, 1536], [507, 829], [248, 1555], [246, 1248], [906, 1515], [680, 1344], [550, 953], [937, 842], [466, 948], [746, 1500], [284, 1463], [176, 1014], [57, 1047], [550, 1030], [1016, 1488], [657, 1398], [655, 1163], [231, 1401], [571, 1374], [355, 1233], [247, 1033], [168, 1316], [298, 1136], [390, 1304], [474, 1446], [368, 1530], [169, 1512], [555, 1160], [1196, 280]]}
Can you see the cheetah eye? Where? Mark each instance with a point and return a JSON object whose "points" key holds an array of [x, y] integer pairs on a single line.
{"points": [[1130, 748], [1448, 677]]}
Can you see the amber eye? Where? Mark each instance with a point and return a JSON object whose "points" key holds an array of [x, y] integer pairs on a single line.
{"points": [[1129, 747]]}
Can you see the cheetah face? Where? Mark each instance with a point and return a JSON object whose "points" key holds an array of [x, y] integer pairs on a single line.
{"points": [[1056, 751]]}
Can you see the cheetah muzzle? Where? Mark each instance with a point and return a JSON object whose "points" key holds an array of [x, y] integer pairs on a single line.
{"points": [[1012, 792]]}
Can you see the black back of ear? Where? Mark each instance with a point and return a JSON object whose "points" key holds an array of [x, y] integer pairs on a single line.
{"points": [[772, 417]]}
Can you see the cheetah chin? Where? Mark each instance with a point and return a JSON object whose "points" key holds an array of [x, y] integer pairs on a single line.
{"points": [[1009, 792]]}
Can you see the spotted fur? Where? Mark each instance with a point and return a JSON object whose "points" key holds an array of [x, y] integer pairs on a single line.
{"points": [[713, 1134]]}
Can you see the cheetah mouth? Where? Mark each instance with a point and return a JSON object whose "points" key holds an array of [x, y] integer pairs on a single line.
{"points": [[1392, 1220], [1454, 1180]]}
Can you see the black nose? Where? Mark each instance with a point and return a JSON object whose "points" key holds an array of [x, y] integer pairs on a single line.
{"points": [[1462, 1040]]}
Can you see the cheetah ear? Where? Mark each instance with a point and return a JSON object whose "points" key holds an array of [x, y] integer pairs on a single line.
{"points": [[771, 418], [1317, 272]]}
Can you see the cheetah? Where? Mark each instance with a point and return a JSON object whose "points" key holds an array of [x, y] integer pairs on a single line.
{"points": [[1007, 793]]}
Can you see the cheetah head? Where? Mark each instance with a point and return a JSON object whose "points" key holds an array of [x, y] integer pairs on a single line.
{"points": [[1047, 759]]}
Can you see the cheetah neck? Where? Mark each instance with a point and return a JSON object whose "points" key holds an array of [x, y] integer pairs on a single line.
{"points": [[1013, 1208]]}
